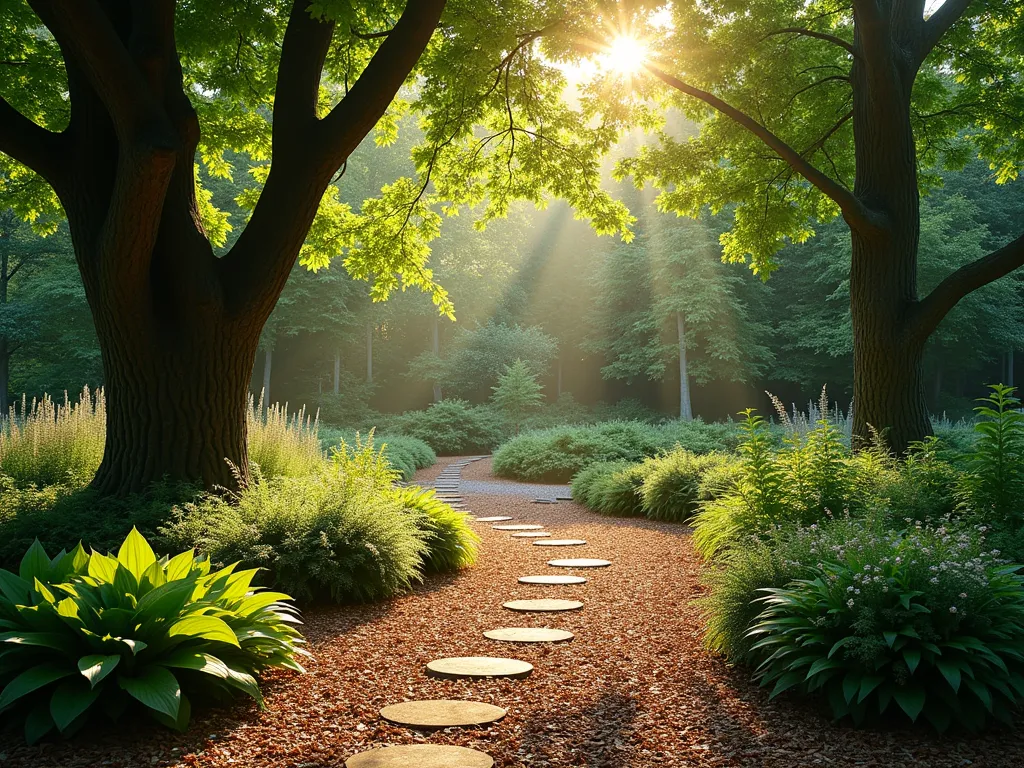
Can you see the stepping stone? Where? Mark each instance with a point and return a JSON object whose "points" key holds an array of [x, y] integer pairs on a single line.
{"points": [[420, 756], [495, 519], [544, 501], [580, 562], [543, 606], [442, 714], [560, 543], [478, 666], [529, 635], [530, 535], [563, 498], [552, 580], [518, 527]]}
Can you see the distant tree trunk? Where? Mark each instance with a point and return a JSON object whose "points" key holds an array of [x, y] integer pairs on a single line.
{"points": [[268, 360], [5, 377], [558, 391], [438, 395], [337, 372], [685, 408], [1009, 367], [369, 353]]}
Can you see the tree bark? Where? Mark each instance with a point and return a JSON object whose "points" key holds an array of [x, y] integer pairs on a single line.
{"points": [[685, 407], [369, 353], [176, 407], [438, 395], [5, 354], [268, 361], [1009, 367]]}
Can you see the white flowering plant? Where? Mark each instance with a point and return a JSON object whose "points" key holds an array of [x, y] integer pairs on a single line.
{"points": [[924, 621]]}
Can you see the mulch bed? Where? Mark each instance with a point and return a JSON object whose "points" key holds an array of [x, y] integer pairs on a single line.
{"points": [[634, 689]]}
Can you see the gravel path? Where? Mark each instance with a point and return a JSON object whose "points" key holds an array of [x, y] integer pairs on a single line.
{"points": [[634, 689]]}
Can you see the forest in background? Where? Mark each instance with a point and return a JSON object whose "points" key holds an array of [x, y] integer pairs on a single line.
{"points": [[592, 316]]}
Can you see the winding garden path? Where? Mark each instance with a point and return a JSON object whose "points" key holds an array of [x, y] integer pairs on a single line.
{"points": [[631, 688]]}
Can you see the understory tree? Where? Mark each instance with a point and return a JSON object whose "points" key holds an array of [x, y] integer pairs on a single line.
{"points": [[109, 105], [518, 392], [810, 110]]}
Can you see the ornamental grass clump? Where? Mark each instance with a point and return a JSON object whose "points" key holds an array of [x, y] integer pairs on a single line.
{"points": [[91, 634], [46, 443], [282, 445], [673, 484], [451, 542], [920, 623]]}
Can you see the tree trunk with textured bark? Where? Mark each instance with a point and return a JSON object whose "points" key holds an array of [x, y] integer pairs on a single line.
{"points": [[685, 406], [178, 326]]}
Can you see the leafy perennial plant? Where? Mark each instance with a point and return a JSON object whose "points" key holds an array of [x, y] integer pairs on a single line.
{"points": [[91, 633], [922, 621]]}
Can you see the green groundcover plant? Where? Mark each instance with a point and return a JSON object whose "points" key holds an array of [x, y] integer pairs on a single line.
{"points": [[451, 543], [89, 634], [925, 622], [610, 488]]}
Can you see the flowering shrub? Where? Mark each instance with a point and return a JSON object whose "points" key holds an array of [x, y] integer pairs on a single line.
{"points": [[922, 621]]}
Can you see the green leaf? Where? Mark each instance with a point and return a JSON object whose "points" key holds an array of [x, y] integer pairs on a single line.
{"points": [[911, 699], [35, 564], [179, 566], [180, 723], [14, 588], [200, 662], [43, 591], [135, 554], [203, 627], [867, 685], [851, 684], [913, 657], [951, 671], [102, 567], [890, 638], [97, 667], [155, 687], [981, 691], [38, 723], [32, 680], [69, 700]]}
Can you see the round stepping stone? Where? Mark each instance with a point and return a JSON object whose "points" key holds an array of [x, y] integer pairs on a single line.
{"points": [[560, 543], [442, 714], [530, 535], [544, 606], [495, 519], [518, 527], [478, 666], [529, 635], [552, 580], [420, 756], [580, 562]]}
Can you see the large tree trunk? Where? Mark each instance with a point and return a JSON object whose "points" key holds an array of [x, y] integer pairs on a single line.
{"points": [[888, 376], [268, 363], [176, 408], [685, 408]]}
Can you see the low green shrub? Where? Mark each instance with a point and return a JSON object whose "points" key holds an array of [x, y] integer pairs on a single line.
{"points": [[557, 454], [923, 622], [611, 488], [454, 427], [89, 634], [564, 411], [59, 515], [451, 542], [405, 454], [673, 484], [332, 535], [46, 443]]}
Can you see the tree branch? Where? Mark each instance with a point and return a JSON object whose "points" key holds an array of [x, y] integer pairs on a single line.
{"points": [[930, 311], [937, 25], [43, 151], [85, 33], [854, 211], [255, 270], [369, 35], [811, 33]]}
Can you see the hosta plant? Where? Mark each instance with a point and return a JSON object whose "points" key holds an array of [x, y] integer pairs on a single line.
{"points": [[921, 622], [85, 634]]}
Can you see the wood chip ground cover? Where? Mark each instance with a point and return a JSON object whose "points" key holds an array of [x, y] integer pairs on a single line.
{"points": [[634, 689]]}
